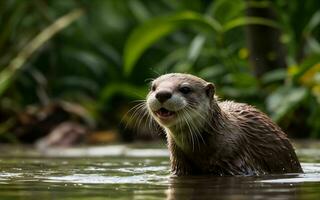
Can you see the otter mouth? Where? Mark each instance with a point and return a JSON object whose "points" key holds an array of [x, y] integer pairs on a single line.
{"points": [[163, 113]]}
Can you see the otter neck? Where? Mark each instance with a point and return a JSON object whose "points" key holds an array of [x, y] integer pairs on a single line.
{"points": [[185, 140], [219, 119], [193, 139]]}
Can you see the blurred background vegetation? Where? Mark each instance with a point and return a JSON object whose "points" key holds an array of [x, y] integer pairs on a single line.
{"points": [[74, 68]]}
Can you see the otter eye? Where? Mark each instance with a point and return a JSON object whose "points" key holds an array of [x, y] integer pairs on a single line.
{"points": [[185, 89], [153, 87]]}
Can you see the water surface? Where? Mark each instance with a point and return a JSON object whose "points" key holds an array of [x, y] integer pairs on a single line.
{"points": [[139, 172]]}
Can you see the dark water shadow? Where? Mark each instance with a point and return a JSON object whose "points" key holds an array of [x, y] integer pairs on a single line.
{"points": [[287, 186]]}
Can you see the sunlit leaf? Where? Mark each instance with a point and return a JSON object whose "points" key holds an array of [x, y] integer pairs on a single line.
{"points": [[313, 45], [307, 63], [313, 23], [150, 32], [172, 58], [244, 21], [212, 71], [241, 79], [139, 10], [196, 47], [284, 100], [309, 77], [274, 75], [234, 92], [182, 66], [234, 9]]}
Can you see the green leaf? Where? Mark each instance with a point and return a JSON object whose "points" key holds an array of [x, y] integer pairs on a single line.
{"points": [[139, 10], [170, 59], [234, 9], [313, 23], [7, 75], [241, 79], [305, 66], [244, 21], [273, 76], [196, 47], [148, 33], [284, 100], [313, 44], [239, 92], [125, 89], [212, 71]]}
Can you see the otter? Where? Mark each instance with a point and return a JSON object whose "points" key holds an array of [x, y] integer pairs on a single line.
{"points": [[206, 136]]}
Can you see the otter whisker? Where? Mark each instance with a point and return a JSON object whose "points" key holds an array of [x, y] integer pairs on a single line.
{"points": [[139, 101], [144, 115], [138, 114], [139, 109], [195, 128], [181, 134], [190, 129], [137, 120], [151, 122], [192, 104], [205, 118], [189, 122], [132, 112], [142, 103]]}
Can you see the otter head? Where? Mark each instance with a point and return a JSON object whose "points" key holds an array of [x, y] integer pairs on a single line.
{"points": [[178, 99]]}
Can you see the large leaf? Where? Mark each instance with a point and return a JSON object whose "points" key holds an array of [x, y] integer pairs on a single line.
{"points": [[244, 21], [284, 100], [196, 47], [235, 9], [148, 33], [313, 23], [273, 76]]}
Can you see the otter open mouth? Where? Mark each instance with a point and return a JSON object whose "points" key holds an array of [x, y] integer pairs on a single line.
{"points": [[164, 113]]}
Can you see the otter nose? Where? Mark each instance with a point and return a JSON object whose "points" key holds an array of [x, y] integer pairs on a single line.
{"points": [[162, 96]]}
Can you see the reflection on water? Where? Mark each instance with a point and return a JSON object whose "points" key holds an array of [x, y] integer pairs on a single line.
{"points": [[141, 174]]}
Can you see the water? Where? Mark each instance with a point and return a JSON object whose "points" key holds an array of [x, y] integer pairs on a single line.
{"points": [[135, 172]]}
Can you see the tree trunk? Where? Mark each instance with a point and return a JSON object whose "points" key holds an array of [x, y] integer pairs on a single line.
{"points": [[266, 52]]}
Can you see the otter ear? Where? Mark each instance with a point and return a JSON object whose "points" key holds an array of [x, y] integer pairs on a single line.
{"points": [[210, 89]]}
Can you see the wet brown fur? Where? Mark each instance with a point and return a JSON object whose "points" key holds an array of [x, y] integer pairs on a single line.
{"points": [[237, 140]]}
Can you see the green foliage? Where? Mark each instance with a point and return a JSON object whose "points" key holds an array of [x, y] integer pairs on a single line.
{"points": [[127, 90], [102, 59], [7, 74], [284, 100], [150, 32], [153, 30], [230, 71]]}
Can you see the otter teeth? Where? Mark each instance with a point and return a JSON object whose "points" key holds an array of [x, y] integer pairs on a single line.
{"points": [[162, 112]]}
